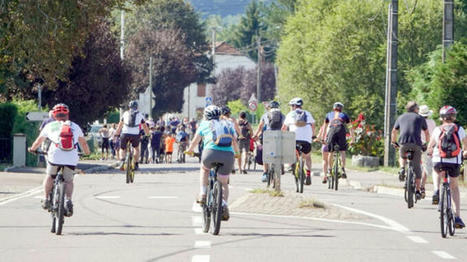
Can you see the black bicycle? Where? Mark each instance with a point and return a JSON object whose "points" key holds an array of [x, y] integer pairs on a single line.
{"points": [[299, 169], [333, 182], [409, 190], [272, 178], [129, 165], [446, 216]]}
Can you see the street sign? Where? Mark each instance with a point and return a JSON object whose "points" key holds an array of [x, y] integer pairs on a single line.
{"points": [[37, 116], [208, 101], [253, 106]]}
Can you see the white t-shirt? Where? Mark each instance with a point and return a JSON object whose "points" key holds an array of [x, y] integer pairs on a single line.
{"points": [[126, 121], [55, 155], [436, 158], [302, 133]]}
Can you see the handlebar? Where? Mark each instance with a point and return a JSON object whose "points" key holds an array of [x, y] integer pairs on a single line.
{"points": [[192, 153]]}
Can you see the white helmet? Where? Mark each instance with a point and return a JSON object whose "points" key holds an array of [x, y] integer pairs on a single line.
{"points": [[297, 101]]}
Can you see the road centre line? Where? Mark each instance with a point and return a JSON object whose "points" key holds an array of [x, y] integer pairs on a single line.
{"points": [[442, 254], [202, 244], [200, 258], [417, 239], [28, 193]]}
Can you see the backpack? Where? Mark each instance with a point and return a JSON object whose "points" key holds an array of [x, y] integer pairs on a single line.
{"points": [[449, 144], [275, 119], [221, 134], [132, 119], [244, 130], [181, 137], [300, 118], [66, 137], [336, 127]]}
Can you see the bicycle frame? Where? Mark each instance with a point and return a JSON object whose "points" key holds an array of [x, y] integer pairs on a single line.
{"points": [[299, 172], [57, 199], [212, 209], [409, 192], [445, 208]]}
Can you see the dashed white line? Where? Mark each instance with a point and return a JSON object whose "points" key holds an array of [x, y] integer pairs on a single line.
{"points": [[442, 254], [28, 193], [202, 244], [417, 239], [200, 258], [107, 197], [162, 197], [199, 231], [196, 220]]}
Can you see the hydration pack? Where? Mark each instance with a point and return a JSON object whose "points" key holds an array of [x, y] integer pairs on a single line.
{"points": [[275, 119], [449, 144], [66, 137], [221, 133], [132, 119], [300, 118]]}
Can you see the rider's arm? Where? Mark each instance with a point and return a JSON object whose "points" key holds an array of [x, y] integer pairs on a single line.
{"points": [[37, 143], [394, 135], [259, 129], [119, 128], [235, 146], [431, 145], [313, 128], [194, 142], [427, 135], [84, 145]]}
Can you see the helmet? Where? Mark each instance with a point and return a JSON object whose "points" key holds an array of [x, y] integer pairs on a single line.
{"points": [[225, 110], [446, 112], [338, 105], [133, 105], [60, 112], [274, 104], [296, 102], [212, 112]]}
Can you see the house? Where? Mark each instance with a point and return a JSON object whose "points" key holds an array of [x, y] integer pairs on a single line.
{"points": [[196, 95]]}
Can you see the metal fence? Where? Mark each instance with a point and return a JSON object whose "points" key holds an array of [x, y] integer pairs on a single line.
{"points": [[6, 150]]}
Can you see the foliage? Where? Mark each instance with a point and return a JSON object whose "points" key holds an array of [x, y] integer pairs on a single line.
{"points": [[437, 84], [8, 112], [236, 106], [368, 141], [98, 79], [30, 129]]}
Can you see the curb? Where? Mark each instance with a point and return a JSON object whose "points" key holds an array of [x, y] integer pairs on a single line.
{"points": [[101, 168]]}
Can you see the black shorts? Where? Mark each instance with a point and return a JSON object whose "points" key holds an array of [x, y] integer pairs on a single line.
{"points": [[453, 169], [303, 146], [134, 139], [105, 142], [337, 139]]}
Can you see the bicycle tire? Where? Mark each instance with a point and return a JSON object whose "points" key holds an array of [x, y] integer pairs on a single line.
{"points": [[128, 166], [450, 215], [409, 188], [270, 177], [301, 177], [52, 211], [61, 208], [206, 217], [336, 173], [216, 209], [442, 213], [295, 175]]}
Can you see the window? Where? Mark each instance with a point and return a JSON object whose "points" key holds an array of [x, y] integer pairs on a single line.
{"points": [[202, 90]]}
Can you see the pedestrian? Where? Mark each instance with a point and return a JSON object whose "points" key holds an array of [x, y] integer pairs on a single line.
{"points": [[144, 140], [244, 137], [156, 137], [104, 132], [169, 147], [427, 165]]}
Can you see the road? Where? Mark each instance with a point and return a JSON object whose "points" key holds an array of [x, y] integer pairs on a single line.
{"points": [[155, 219]]}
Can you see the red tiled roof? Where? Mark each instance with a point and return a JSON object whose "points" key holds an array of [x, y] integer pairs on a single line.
{"points": [[222, 48]]}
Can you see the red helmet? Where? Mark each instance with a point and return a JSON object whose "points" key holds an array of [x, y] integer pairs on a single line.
{"points": [[447, 112], [60, 112]]}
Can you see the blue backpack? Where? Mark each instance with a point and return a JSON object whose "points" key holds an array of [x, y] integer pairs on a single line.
{"points": [[222, 134]]}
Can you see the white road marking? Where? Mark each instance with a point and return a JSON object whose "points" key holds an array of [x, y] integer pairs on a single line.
{"points": [[196, 208], [28, 193], [199, 231], [442, 254], [391, 223], [200, 258], [417, 239], [39, 197], [162, 197], [202, 244], [196, 220], [107, 197]]}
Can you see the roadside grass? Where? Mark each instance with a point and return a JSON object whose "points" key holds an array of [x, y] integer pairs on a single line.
{"points": [[272, 193], [391, 186], [311, 203], [92, 156]]}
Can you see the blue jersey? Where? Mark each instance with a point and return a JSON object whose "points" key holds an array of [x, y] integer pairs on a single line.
{"points": [[331, 115], [204, 130]]}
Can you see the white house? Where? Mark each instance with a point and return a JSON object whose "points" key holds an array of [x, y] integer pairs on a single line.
{"points": [[195, 95]]}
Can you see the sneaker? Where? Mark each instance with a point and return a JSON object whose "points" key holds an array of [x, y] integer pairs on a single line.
{"points": [[244, 172], [233, 171], [459, 223], [402, 174], [435, 199], [418, 195], [343, 175], [264, 178], [325, 179], [308, 180], [136, 166], [422, 191], [45, 204], [69, 208], [225, 213]]}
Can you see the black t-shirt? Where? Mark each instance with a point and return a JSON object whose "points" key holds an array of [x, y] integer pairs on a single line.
{"points": [[410, 126]]}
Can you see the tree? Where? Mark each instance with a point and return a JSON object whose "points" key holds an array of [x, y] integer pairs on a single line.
{"points": [[98, 80]]}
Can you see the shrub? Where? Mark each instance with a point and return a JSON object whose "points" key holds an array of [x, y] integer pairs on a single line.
{"points": [[368, 140]]}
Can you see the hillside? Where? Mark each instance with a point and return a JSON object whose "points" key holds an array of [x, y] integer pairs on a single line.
{"points": [[221, 7]]}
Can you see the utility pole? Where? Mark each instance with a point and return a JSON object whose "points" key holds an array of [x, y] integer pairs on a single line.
{"points": [[391, 83], [448, 26], [122, 33], [150, 86], [258, 76]]}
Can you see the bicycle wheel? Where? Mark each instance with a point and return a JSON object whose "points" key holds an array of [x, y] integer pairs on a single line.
{"points": [[336, 173], [270, 175], [409, 188], [128, 167], [131, 165], [206, 212], [450, 214], [216, 208], [443, 219], [53, 199], [295, 174], [60, 213], [301, 177]]}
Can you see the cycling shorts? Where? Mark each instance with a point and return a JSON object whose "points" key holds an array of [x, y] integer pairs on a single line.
{"points": [[226, 158], [337, 139], [454, 169], [68, 171], [303, 146], [134, 140]]}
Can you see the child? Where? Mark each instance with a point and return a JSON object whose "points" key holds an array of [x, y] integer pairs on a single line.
{"points": [[169, 147], [156, 136]]}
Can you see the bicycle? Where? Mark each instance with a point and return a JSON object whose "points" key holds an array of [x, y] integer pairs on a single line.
{"points": [[409, 187], [212, 207], [333, 182], [129, 165], [299, 169], [180, 152], [446, 216]]}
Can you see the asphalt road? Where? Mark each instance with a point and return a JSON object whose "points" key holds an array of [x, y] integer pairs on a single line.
{"points": [[155, 219]]}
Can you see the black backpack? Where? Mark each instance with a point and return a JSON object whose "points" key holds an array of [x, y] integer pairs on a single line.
{"points": [[275, 119], [132, 120], [245, 131], [336, 127]]}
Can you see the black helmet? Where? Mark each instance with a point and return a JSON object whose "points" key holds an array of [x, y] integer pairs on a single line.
{"points": [[225, 110], [133, 105], [338, 105], [274, 104], [212, 112]]}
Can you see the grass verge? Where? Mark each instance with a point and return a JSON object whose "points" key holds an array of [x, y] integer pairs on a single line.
{"points": [[311, 203], [272, 193]]}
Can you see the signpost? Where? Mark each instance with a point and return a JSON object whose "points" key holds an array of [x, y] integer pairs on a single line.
{"points": [[37, 116], [278, 149], [208, 101], [253, 103]]}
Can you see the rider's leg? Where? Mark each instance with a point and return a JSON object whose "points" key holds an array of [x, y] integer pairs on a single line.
{"points": [[343, 159], [325, 162], [224, 179], [454, 185], [417, 167], [203, 180], [136, 153], [307, 161], [68, 177], [48, 184], [436, 181]]}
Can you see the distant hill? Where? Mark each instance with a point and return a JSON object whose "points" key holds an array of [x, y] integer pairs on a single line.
{"points": [[221, 7]]}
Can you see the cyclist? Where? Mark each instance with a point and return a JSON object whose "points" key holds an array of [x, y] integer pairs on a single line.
{"points": [[129, 128], [226, 115], [57, 155], [439, 146], [244, 141], [302, 123], [427, 165], [215, 151], [335, 124], [182, 139], [271, 120], [410, 125]]}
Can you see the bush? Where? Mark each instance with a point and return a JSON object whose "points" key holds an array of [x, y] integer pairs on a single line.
{"points": [[8, 113], [368, 140]]}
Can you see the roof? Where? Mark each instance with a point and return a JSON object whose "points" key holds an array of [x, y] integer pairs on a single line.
{"points": [[222, 48]]}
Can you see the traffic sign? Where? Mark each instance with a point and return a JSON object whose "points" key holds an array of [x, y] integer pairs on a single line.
{"points": [[37, 116], [208, 101], [253, 106]]}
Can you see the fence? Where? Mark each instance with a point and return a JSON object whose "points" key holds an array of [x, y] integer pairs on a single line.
{"points": [[6, 150]]}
